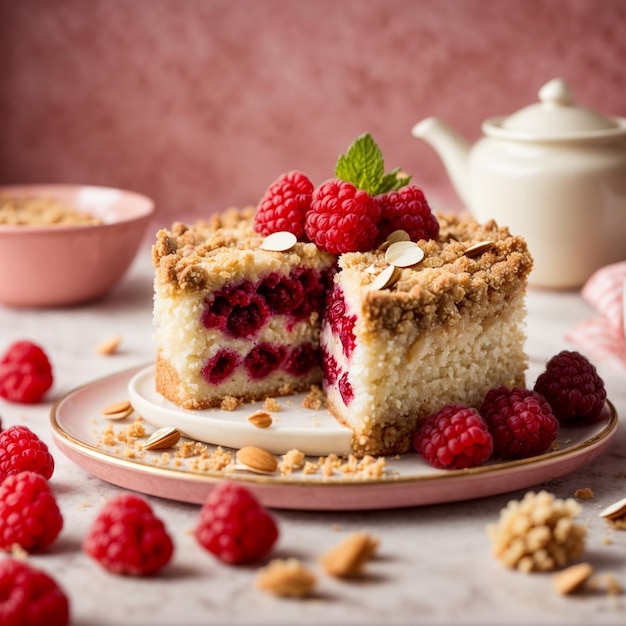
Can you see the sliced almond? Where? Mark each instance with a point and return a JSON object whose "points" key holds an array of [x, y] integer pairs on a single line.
{"points": [[118, 410], [387, 278], [257, 460], [163, 438], [477, 249], [280, 241], [109, 346], [568, 580], [615, 510], [404, 254], [372, 269], [348, 558], [260, 419], [394, 237]]}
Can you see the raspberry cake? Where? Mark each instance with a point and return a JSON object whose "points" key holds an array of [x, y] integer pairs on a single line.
{"points": [[391, 340], [450, 328], [233, 319]]}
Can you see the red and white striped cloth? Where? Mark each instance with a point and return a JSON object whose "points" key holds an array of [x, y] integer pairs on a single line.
{"points": [[603, 337]]}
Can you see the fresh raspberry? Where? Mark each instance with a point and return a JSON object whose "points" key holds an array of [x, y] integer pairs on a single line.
{"points": [[234, 526], [455, 437], [29, 515], [572, 387], [342, 218], [520, 421], [407, 209], [25, 373], [21, 450], [128, 538], [284, 205], [29, 597], [219, 367]]}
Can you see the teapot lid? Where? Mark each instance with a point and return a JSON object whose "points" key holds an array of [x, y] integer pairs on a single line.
{"points": [[554, 116]]}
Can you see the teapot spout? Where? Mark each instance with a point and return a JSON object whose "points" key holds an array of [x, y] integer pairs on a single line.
{"points": [[453, 150]]}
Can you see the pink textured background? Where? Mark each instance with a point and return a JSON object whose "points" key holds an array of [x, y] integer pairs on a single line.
{"points": [[201, 104]]}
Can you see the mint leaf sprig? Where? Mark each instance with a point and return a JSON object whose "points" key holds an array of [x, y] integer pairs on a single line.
{"points": [[363, 165]]}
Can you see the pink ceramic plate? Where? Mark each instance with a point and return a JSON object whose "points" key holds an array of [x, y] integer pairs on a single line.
{"points": [[77, 427]]}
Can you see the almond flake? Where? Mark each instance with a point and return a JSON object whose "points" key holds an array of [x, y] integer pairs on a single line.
{"points": [[477, 249], [257, 460], [260, 419], [387, 278], [280, 241], [118, 411], [404, 254], [615, 510], [572, 578], [394, 237], [348, 558], [163, 438]]}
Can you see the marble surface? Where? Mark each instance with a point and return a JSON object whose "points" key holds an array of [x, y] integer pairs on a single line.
{"points": [[434, 564]]}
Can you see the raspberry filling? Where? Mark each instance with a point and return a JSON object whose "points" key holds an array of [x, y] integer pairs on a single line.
{"points": [[345, 389], [341, 324], [242, 310], [217, 369], [302, 360], [263, 359]]}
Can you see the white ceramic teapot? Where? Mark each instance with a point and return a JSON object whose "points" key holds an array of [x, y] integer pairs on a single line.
{"points": [[553, 172]]}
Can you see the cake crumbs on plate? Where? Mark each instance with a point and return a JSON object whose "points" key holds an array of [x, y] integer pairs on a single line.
{"points": [[271, 404], [229, 403], [315, 399], [584, 493]]}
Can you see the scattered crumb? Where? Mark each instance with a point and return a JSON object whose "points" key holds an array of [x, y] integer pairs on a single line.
{"points": [[229, 403], [271, 404], [294, 459], [315, 399], [613, 586], [584, 493]]}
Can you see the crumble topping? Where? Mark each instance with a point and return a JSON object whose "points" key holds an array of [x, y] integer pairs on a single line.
{"points": [[31, 211]]}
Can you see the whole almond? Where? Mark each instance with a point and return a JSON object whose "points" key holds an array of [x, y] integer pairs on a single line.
{"points": [[257, 460], [163, 438], [286, 578], [348, 558], [109, 346], [260, 419], [568, 580]]}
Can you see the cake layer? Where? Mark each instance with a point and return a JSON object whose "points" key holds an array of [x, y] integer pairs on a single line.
{"points": [[233, 319]]}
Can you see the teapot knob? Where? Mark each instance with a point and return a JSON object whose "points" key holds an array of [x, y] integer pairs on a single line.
{"points": [[556, 92]]}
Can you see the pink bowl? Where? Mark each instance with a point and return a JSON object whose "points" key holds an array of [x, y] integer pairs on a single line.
{"points": [[46, 266]]}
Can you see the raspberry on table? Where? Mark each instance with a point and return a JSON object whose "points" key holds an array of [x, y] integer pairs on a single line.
{"points": [[30, 597], [234, 526], [455, 437], [284, 205], [572, 387], [22, 450], [29, 515], [25, 373], [407, 209], [521, 422], [128, 538], [342, 218]]}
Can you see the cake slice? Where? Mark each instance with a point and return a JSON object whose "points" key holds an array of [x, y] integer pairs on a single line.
{"points": [[449, 329], [233, 319]]}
